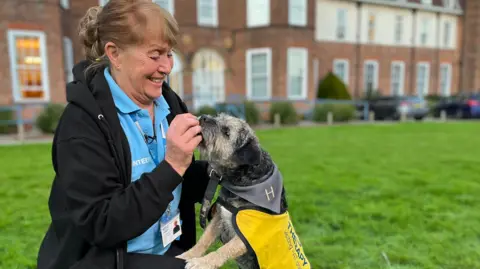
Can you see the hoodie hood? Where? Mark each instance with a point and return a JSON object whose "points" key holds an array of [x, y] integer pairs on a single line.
{"points": [[93, 95]]}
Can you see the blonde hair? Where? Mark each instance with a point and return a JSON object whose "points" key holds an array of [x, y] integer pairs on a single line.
{"points": [[125, 23]]}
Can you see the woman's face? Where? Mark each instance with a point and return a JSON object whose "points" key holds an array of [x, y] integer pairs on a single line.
{"points": [[141, 70]]}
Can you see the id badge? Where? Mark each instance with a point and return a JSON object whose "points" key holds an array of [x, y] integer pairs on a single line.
{"points": [[171, 229]]}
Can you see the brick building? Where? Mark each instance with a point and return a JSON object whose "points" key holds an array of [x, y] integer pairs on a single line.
{"points": [[263, 49]]}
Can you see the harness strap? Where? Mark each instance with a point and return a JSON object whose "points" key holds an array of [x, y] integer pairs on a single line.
{"points": [[215, 179]]}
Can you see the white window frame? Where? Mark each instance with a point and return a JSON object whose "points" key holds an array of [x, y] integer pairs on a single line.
{"points": [[170, 8], [341, 26], [424, 31], [65, 4], [398, 33], [204, 21], [375, 74], [102, 2], [252, 20], [427, 78], [401, 77], [448, 83], [346, 63], [11, 37], [292, 20], [249, 54], [68, 59], [303, 95], [447, 38]]}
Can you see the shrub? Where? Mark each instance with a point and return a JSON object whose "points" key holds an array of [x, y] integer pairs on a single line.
{"points": [[5, 115], [331, 87], [252, 114], [341, 112], [286, 110], [206, 110], [48, 119]]}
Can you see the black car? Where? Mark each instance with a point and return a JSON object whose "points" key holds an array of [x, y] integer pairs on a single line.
{"points": [[463, 105]]}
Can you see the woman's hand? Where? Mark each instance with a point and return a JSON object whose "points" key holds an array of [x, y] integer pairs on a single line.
{"points": [[183, 136]]}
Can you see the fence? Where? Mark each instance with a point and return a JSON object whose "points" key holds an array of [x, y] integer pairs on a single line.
{"points": [[18, 117]]}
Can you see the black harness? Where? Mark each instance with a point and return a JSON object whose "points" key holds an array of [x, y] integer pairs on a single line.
{"points": [[213, 183]]}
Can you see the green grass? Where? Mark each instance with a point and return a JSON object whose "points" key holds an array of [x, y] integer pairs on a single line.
{"points": [[357, 194]]}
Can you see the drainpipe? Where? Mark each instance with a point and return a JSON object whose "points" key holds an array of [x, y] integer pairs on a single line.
{"points": [[358, 49], [436, 81], [412, 52], [463, 59]]}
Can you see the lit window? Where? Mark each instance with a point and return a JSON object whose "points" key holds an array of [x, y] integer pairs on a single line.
{"points": [[28, 65]]}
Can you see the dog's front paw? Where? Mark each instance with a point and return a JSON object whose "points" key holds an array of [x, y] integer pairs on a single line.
{"points": [[189, 255], [200, 263]]}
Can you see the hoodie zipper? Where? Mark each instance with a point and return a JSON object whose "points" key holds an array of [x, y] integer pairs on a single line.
{"points": [[119, 251]]}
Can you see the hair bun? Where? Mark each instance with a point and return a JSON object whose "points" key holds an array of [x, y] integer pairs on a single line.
{"points": [[88, 33]]}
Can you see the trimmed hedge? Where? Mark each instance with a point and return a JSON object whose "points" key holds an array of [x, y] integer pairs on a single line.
{"points": [[331, 87], [206, 110], [48, 119], [5, 115], [341, 112], [252, 114], [287, 112]]}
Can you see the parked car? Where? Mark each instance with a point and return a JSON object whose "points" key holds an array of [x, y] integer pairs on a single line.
{"points": [[392, 107], [464, 105]]}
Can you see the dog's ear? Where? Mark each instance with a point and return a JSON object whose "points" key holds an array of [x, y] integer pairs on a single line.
{"points": [[248, 154]]}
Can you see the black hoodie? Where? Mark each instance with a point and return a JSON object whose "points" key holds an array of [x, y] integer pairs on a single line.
{"points": [[94, 206]]}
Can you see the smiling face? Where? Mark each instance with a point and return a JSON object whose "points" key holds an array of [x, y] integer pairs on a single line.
{"points": [[141, 70]]}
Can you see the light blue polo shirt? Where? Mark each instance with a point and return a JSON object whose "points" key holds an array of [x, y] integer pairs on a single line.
{"points": [[143, 156]]}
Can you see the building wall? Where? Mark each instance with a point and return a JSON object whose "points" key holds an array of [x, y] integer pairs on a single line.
{"points": [[231, 39], [383, 47]]}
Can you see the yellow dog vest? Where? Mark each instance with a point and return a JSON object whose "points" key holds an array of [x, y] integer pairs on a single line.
{"points": [[267, 232], [272, 238]]}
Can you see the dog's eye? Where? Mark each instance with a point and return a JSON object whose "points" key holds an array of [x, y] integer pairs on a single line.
{"points": [[226, 131]]}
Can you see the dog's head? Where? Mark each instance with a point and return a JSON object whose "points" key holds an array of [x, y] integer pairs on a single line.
{"points": [[228, 142]]}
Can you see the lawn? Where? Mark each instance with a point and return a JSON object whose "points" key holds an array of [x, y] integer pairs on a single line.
{"points": [[385, 196]]}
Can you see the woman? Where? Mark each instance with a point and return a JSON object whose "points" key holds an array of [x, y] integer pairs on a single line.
{"points": [[123, 149]]}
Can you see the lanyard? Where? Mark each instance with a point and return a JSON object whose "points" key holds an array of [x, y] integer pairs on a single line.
{"points": [[145, 137]]}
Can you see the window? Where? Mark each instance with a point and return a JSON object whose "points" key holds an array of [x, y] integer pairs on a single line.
{"points": [[208, 78], [259, 71], [297, 71], [340, 69], [445, 79], [341, 24], [68, 58], [297, 12], [397, 78], [449, 3], [207, 12], [423, 75], [168, 5], [424, 32], [175, 78], [28, 65], [370, 76], [427, 2], [102, 2], [398, 29], [65, 4], [258, 13], [446, 34], [371, 27]]}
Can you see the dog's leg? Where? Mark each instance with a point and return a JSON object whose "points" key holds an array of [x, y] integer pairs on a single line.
{"points": [[205, 241], [231, 250]]}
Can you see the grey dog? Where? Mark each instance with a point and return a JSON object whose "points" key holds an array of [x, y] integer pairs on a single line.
{"points": [[234, 153]]}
